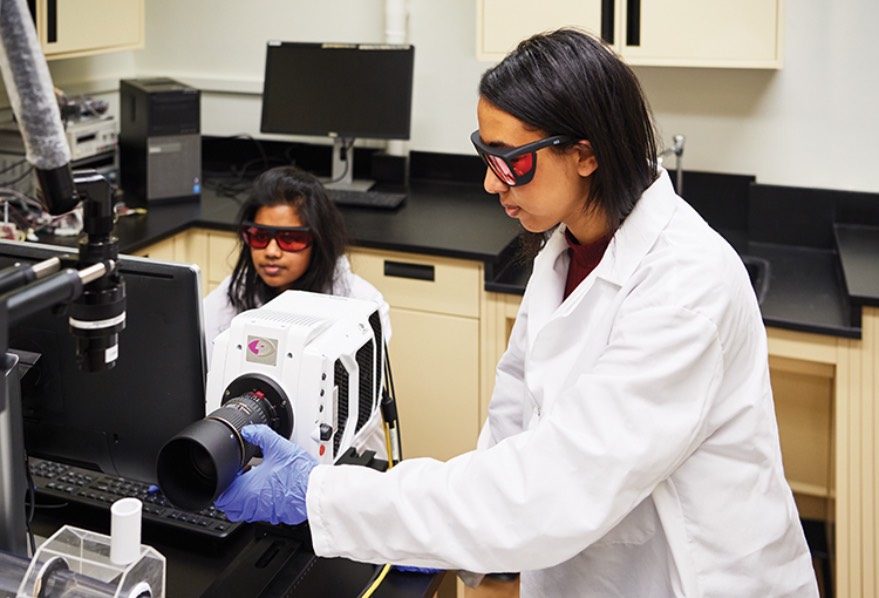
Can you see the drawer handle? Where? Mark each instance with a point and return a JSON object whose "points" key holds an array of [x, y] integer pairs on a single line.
{"points": [[404, 270]]}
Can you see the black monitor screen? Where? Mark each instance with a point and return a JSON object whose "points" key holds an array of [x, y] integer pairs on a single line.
{"points": [[338, 90], [114, 421]]}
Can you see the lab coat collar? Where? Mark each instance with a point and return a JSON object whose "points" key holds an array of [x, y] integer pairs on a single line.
{"points": [[628, 247], [639, 231]]}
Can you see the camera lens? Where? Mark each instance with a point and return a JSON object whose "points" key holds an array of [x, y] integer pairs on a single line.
{"points": [[197, 464], [96, 319]]}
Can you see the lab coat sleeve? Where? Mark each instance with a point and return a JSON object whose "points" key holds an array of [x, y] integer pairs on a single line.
{"points": [[540, 497]]}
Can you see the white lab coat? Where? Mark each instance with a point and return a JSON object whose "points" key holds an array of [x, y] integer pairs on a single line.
{"points": [[631, 448]]}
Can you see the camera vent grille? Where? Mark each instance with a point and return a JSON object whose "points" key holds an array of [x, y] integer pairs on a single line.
{"points": [[366, 390], [376, 323], [341, 378]]}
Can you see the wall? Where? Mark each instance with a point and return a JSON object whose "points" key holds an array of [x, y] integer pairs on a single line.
{"points": [[810, 124]]}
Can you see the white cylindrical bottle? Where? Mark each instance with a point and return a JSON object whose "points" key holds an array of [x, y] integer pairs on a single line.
{"points": [[125, 526]]}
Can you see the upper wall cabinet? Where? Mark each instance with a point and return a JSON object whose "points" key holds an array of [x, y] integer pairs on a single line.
{"points": [[71, 29], [501, 24], [699, 33]]}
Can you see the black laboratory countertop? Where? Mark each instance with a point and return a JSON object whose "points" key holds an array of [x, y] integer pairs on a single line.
{"points": [[804, 291], [818, 290], [858, 247], [445, 219]]}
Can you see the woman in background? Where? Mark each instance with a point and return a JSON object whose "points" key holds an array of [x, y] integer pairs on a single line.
{"points": [[292, 238]]}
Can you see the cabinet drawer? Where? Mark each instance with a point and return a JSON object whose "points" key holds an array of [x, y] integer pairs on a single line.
{"points": [[442, 285]]}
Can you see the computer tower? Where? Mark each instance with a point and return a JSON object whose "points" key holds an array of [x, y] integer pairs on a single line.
{"points": [[159, 141]]}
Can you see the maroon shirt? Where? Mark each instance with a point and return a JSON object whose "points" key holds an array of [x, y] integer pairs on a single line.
{"points": [[584, 258]]}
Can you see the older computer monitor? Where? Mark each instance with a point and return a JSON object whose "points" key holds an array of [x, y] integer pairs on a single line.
{"points": [[117, 420], [342, 91]]}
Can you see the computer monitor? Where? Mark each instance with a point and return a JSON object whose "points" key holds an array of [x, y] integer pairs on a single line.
{"points": [[342, 91], [114, 421]]}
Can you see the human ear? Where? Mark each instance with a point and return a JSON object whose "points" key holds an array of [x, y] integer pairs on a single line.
{"points": [[586, 162]]}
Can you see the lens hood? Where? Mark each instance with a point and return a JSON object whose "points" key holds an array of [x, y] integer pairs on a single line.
{"points": [[198, 463]]}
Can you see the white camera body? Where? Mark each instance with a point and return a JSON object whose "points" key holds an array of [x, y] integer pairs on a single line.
{"points": [[325, 352]]}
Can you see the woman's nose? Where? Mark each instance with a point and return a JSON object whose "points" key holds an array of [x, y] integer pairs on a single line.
{"points": [[492, 183], [273, 248]]}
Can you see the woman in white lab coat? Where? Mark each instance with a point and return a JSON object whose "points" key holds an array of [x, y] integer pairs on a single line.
{"points": [[631, 447]]}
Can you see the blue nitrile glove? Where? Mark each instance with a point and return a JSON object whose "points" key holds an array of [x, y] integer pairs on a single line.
{"points": [[424, 570], [273, 491]]}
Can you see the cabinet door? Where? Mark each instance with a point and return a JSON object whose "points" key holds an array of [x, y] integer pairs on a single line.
{"points": [[68, 29], [435, 366], [718, 33], [222, 253], [803, 394], [434, 348], [166, 250], [423, 283], [501, 24]]}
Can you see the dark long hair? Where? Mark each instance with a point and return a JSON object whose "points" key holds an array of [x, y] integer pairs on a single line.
{"points": [[567, 82], [289, 185]]}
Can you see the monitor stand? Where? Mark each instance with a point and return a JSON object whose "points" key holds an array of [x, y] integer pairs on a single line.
{"points": [[342, 176]]}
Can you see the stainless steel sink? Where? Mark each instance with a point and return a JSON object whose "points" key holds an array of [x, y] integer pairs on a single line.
{"points": [[758, 271]]}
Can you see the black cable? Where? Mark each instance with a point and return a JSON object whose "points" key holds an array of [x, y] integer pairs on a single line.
{"points": [[238, 181], [371, 584], [226, 185], [13, 165], [16, 218], [259, 147], [30, 501], [18, 179], [347, 148], [391, 405]]}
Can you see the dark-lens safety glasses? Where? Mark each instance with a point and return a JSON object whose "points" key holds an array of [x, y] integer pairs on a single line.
{"points": [[289, 238], [514, 165]]}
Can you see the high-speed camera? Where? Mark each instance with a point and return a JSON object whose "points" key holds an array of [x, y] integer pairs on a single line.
{"points": [[308, 365]]}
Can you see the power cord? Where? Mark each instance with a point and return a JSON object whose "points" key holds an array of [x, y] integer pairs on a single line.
{"points": [[347, 148], [390, 415], [30, 500], [394, 448]]}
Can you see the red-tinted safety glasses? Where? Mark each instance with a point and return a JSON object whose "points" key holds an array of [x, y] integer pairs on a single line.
{"points": [[289, 238], [514, 165]]}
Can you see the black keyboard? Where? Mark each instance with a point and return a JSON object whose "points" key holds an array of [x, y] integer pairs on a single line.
{"points": [[366, 199], [95, 489]]}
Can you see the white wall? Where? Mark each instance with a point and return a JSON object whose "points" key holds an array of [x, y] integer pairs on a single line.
{"points": [[811, 124]]}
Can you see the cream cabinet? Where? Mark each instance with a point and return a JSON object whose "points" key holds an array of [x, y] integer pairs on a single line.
{"points": [[692, 33], [222, 251], [68, 29], [501, 24], [214, 252], [434, 348]]}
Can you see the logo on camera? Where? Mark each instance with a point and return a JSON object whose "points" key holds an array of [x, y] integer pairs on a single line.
{"points": [[262, 350]]}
